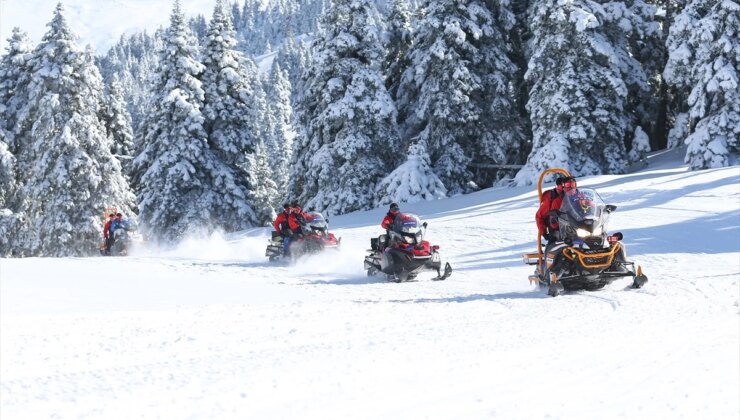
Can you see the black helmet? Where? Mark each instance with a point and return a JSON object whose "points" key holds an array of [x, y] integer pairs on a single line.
{"points": [[394, 207], [559, 180], [286, 206]]}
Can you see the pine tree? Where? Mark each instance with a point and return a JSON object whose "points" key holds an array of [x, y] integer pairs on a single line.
{"points": [[348, 117], [118, 124], [577, 92], [279, 131], [413, 181], [265, 194], [72, 176], [8, 182], [397, 44], [230, 85], [457, 93], [704, 45], [184, 187], [14, 79]]}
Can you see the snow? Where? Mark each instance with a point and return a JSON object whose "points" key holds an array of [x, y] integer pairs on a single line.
{"points": [[212, 330]]}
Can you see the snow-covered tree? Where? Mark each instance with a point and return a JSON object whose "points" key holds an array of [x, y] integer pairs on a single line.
{"points": [[231, 110], [118, 124], [348, 118], [704, 45], [71, 174], [8, 183], [265, 193], [14, 78], [640, 145], [457, 94], [577, 94], [279, 130], [412, 181], [184, 186], [397, 41]]}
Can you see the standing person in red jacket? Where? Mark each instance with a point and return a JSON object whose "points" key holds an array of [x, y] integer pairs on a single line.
{"points": [[106, 234], [390, 217]]}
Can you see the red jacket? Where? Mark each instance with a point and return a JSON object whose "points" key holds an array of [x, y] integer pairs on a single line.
{"points": [[296, 218], [388, 220], [551, 200], [280, 219], [106, 228]]}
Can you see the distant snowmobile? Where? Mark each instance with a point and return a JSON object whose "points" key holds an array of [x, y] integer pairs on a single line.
{"points": [[585, 257], [315, 237], [402, 253]]}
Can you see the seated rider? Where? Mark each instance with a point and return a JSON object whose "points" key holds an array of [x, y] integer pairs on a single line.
{"points": [[552, 200], [390, 217], [281, 225], [297, 219], [106, 235], [117, 223]]}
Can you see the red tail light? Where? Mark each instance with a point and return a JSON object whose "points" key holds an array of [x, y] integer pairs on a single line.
{"points": [[435, 247]]}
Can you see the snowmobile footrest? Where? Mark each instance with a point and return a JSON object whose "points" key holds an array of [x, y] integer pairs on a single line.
{"points": [[639, 281], [447, 273]]}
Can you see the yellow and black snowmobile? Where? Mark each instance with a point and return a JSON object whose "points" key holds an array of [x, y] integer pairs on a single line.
{"points": [[583, 255]]}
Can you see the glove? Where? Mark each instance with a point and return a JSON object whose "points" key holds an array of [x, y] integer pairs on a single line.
{"points": [[548, 237]]}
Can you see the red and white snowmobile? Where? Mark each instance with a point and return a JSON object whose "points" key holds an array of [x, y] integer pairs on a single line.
{"points": [[402, 253], [314, 238], [584, 256]]}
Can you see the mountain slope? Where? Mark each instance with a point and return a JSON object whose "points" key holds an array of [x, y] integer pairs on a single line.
{"points": [[212, 330]]}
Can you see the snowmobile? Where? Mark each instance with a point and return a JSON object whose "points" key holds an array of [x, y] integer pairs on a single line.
{"points": [[402, 253], [314, 238], [585, 256]]}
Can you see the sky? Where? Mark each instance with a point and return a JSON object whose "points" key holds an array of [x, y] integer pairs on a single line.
{"points": [[213, 330], [97, 22]]}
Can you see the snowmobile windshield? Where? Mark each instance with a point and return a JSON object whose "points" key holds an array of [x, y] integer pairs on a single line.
{"points": [[583, 204], [316, 222], [410, 227]]}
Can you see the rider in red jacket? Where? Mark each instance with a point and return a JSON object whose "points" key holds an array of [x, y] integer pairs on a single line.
{"points": [[106, 235], [552, 200], [281, 221], [390, 217], [297, 218]]}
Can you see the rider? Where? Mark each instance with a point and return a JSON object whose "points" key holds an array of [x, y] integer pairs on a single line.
{"points": [[281, 225], [106, 236], [552, 200], [390, 216], [297, 219], [117, 223]]}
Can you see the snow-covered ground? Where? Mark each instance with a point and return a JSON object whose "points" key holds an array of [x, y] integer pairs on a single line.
{"points": [[212, 330]]}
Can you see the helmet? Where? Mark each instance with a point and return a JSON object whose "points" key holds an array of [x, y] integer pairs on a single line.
{"points": [[569, 184], [394, 208], [112, 215], [286, 206], [119, 215]]}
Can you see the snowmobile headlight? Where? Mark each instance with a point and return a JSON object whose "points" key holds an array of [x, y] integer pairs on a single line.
{"points": [[418, 237], [598, 231], [583, 233]]}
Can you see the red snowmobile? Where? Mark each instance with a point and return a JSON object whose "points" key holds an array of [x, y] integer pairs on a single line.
{"points": [[313, 238], [402, 253]]}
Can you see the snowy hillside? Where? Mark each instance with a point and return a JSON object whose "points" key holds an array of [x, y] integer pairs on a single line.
{"points": [[99, 23], [212, 330]]}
